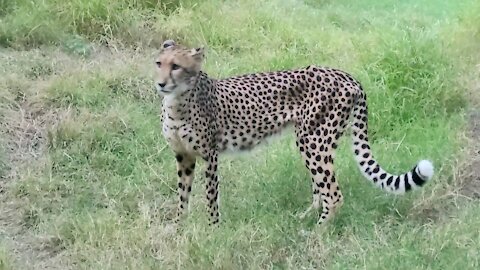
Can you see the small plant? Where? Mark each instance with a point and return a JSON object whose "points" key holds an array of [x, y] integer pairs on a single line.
{"points": [[78, 46]]}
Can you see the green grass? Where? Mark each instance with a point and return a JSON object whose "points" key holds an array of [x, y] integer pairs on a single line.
{"points": [[5, 261], [101, 192]]}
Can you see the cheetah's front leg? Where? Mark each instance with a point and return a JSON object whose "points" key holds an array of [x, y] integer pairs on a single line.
{"points": [[185, 170], [211, 188]]}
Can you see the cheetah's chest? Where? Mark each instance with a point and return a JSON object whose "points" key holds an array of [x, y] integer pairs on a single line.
{"points": [[174, 133]]}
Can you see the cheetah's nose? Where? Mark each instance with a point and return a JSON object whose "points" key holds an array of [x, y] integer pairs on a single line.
{"points": [[162, 85]]}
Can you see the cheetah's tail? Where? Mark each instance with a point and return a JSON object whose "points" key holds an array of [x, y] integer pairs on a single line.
{"points": [[370, 168]]}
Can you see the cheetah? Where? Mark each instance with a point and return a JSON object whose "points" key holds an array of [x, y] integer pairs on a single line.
{"points": [[204, 117]]}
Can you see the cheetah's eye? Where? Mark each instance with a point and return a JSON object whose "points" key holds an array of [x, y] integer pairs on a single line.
{"points": [[175, 67], [158, 63]]}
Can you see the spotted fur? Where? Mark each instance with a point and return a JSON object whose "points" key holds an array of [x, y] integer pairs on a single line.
{"points": [[203, 117]]}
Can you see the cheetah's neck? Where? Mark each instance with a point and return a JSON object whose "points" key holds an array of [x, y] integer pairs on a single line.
{"points": [[175, 110]]}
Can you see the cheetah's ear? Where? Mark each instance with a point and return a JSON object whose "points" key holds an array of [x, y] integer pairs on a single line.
{"points": [[167, 44], [197, 53]]}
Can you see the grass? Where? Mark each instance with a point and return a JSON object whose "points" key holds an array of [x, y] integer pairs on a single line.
{"points": [[92, 182], [5, 262]]}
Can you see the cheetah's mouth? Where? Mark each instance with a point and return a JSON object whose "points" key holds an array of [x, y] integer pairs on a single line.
{"points": [[165, 90]]}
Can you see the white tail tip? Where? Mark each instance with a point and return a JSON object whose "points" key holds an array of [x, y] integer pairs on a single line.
{"points": [[425, 169]]}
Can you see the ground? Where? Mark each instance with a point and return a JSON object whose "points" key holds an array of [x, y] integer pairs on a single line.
{"points": [[471, 186], [87, 181]]}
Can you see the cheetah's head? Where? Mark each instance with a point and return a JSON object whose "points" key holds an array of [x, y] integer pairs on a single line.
{"points": [[177, 68]]}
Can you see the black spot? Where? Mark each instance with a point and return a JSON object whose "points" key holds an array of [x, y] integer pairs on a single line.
{"points": [[397, 183], [390, 180], [407, 185], [417, 179]]}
